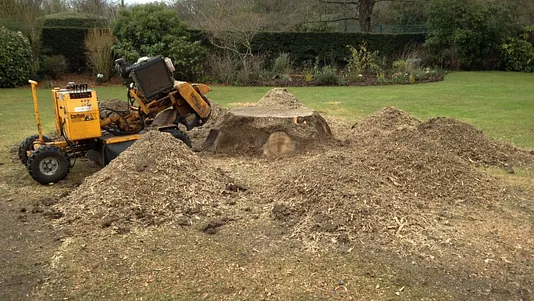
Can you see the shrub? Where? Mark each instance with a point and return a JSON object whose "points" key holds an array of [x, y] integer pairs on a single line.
{"points": [[98, 47], [362, 60], [282, 64], [251, 75], [187, 58], [518, 53], [327, 77], [221, 68], [466, 34], [52, 67], [400, 66], [154, 29], [304, 46], [15, 58]]}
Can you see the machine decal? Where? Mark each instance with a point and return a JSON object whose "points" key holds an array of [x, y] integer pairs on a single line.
{"points": [[82, 109]]}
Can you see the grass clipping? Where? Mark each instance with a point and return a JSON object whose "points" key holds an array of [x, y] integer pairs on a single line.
{"points": [[156, 180]]}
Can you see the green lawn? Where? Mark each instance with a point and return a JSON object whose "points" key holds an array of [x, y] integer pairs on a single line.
{"points": [[499, 103]]}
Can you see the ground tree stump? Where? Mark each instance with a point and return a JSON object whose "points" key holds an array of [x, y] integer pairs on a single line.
{"points": [[268, 130]]}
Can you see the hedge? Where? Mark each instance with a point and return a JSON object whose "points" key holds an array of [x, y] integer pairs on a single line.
{"points": [[64, 34], [332, 45]]}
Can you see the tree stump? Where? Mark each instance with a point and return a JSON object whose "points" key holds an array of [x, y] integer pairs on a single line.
{"points": [[269, 130]]}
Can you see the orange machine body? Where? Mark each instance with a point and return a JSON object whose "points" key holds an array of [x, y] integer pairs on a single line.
{"points": [[76, 114]]}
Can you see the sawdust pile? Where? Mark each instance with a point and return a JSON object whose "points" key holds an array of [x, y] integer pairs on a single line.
{"points": [[386, 119], [114, 104], [156, 180], [388, 183], [280, 97], [471, 144], [199, 134]]}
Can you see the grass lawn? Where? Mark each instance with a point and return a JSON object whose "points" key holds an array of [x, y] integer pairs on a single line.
{"points": [[463, 248], [499, 103]]}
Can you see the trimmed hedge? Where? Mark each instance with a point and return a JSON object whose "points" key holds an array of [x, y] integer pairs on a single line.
{"points": [[64, 34], [74, 20], [330, 45]]}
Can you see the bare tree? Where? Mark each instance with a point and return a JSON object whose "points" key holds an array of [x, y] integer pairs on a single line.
{"points": [[230, 24]]}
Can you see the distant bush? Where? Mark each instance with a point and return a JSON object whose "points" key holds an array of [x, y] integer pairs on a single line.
{"points": [[518, 52], [52, 67], [330, 46], [98, 47], [282, 64], [466, 34], [15, 58], [327, 77], [154, 29], [221, 68]]}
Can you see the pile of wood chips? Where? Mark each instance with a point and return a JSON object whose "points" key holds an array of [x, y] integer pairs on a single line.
{"points": [[158, 180], [280, 97], [397, 178]]}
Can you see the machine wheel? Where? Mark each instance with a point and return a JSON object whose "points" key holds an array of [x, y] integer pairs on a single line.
{"points": [[27, 145], [48, 164], [178, 134]]}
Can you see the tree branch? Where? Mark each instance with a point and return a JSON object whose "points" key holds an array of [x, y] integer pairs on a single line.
{"points": [[342, 2], [334, 20]]}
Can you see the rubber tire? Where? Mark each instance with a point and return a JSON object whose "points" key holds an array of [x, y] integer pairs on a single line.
{"points": [[26, 145], [180, 135], [41, 154]]}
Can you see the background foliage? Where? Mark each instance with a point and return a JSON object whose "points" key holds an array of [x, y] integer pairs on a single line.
{"points": [[64, 34], [466, 34], [15, 58], [154, 29]]}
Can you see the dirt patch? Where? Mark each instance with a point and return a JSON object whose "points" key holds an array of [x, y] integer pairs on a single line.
{"points": [[280, 97], [158, 180], [392, 213]]}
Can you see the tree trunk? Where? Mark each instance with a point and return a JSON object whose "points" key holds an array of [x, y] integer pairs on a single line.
{"points": [[267, 130], [365, 11]]}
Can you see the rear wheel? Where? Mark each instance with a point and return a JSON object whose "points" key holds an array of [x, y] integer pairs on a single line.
{"points": [[180, 135], [48, 164], [27, 146]]}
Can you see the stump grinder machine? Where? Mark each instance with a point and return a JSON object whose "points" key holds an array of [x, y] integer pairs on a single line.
{"points": [[85, 128]]}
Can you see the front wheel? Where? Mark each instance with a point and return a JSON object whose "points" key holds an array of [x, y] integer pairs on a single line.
{"points": [[178, 134], [27, 146], [48, 164]]}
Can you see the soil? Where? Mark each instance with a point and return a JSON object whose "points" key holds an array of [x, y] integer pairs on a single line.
{"points": [[114, 104], [391, 208]]}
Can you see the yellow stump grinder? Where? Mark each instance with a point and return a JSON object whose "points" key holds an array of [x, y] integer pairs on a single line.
{"points": [[83, 128]]}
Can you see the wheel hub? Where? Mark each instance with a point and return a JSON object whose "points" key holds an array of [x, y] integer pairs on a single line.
{"points": [[49, 166]]}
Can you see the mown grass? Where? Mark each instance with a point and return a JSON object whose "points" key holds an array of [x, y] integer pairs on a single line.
{"points": [[499, 103]]}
